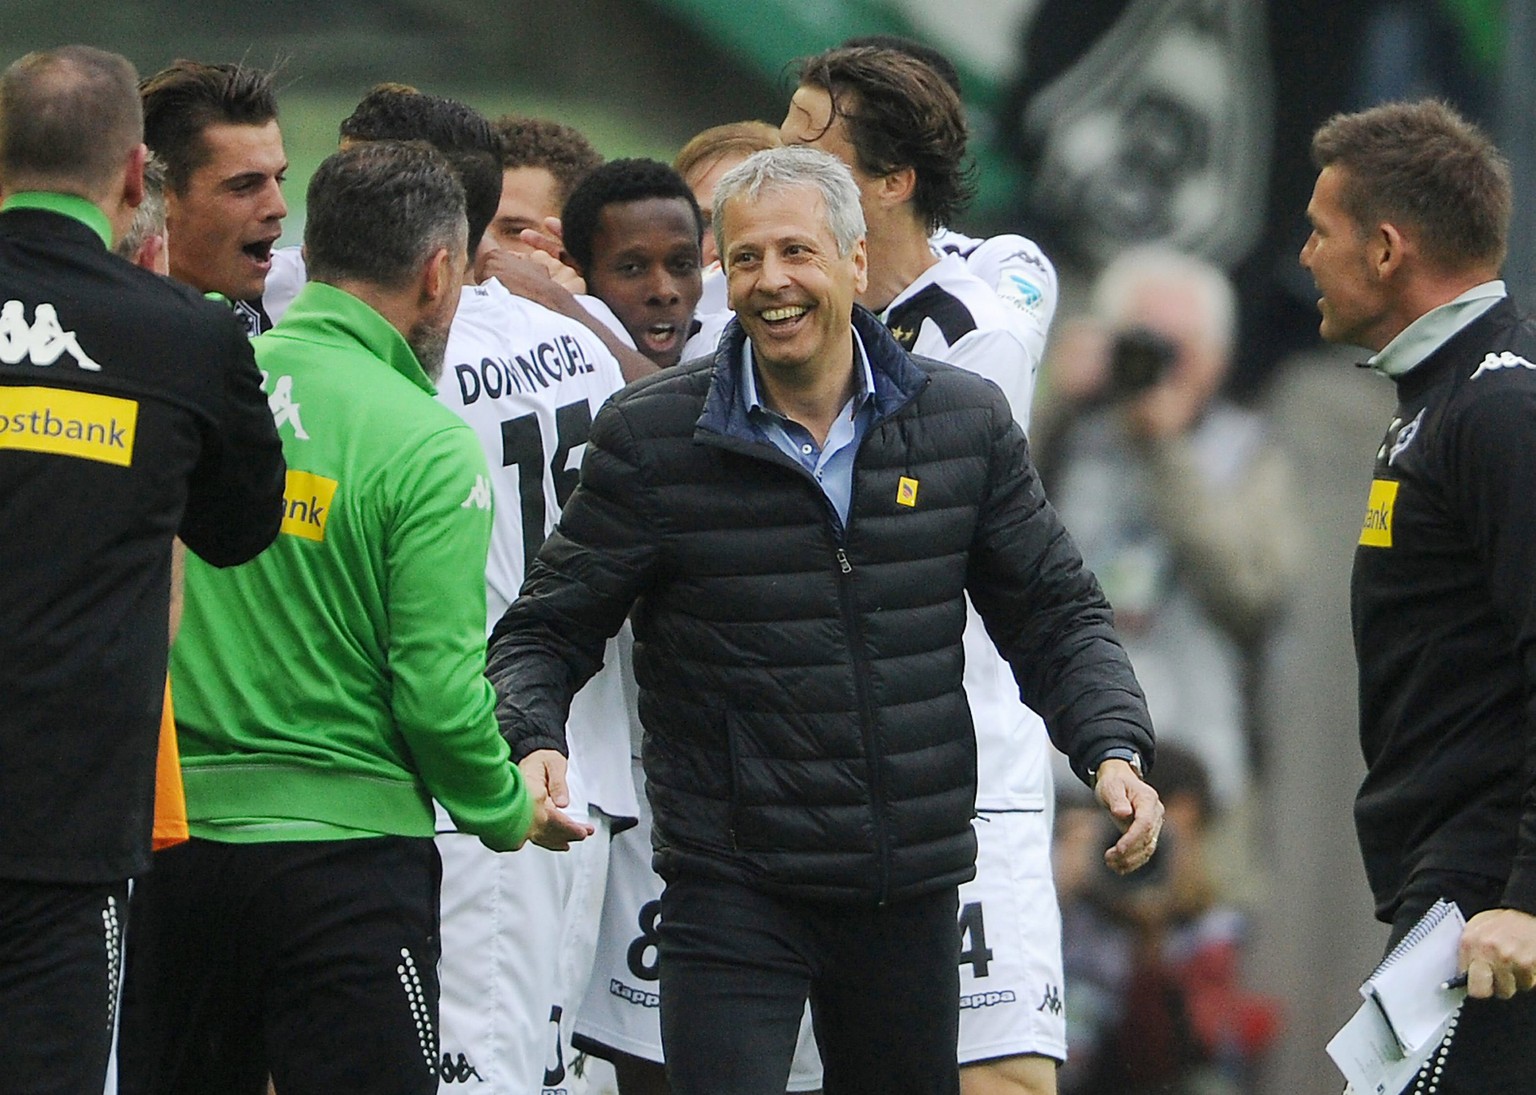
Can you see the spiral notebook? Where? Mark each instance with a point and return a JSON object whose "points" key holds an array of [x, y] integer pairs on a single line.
{"points": [[1407, 1011]]}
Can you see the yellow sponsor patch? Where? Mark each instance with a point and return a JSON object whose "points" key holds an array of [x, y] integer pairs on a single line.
{"points": [[307, 504], [906, 492], [1377, 530], [80, 424]]}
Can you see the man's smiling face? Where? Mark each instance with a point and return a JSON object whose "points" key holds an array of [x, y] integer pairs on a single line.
{"points": [[230, 213], [790, 289]]}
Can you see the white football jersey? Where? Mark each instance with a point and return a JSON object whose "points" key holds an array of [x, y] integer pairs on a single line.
{"points": [[284, 281], [530, 381], [1018, 272], [951, 315]]}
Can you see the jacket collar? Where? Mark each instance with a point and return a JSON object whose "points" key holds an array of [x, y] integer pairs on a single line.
{"points": [[897, 379], [76, 208], [1453, 354], [1421, 338], [324, 314]]}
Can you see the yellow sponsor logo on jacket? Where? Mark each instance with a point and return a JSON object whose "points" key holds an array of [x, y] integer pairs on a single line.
{"points": [[307, 504], [85, 425], [1377, 530]]}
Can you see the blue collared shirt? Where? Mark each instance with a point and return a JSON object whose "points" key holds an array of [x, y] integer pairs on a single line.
{"points": [[831, 465]]}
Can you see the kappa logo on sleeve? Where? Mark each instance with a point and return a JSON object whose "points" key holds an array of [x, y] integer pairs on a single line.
{"points": [[67, 423], [1377, 529], [307, 504]]}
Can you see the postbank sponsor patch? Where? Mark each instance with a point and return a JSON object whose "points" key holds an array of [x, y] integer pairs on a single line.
{"points": [[307, 504], [1377, 529], [85, 425]]}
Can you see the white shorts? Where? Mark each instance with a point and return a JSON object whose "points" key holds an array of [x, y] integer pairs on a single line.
{"points": [[1010, 968], [1010, 943], [518, 937]]}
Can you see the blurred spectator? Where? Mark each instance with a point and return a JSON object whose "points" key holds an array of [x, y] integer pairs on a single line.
{"points": [[1154, 994], [1178, 500]]}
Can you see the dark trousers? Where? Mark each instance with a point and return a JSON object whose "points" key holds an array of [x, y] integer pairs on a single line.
{"points": [[737, 966], [314, 961], [1492, 1046], [60, 953]]}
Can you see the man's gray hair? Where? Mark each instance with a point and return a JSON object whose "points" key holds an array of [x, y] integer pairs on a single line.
{"points": [[149, 218], [1154, 265], [796, 165]]}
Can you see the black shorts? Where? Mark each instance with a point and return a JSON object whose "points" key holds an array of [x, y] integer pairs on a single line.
{"points": [[60, 954], [1489, 1049], [315, 962]]}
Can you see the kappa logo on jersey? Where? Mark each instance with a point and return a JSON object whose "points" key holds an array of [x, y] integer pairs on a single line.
{"points": [[1377, 529], [479, 495], [1506, 360], [987, 999], [643, 997], [66, 423], [906, 492], [1021, 293], [284, 408], [43, 341], [307, 504], [1051, 1001], [458, 1070]]}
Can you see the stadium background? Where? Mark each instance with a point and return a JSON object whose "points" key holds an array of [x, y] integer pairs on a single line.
{"points": [[641, 76]]}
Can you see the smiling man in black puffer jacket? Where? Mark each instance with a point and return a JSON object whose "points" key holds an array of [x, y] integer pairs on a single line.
{"points": [[795, 524]]}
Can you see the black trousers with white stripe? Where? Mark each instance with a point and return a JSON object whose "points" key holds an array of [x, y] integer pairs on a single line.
{"points": [[61, 949], [1490, 1049], [314, 961]]}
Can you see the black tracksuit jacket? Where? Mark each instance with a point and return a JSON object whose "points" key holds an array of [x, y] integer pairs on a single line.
{"points": [[806, 732], [1444, 607], [131, 411]]}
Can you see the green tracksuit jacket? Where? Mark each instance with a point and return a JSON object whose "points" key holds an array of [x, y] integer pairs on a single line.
{"points": [[335, 685]]}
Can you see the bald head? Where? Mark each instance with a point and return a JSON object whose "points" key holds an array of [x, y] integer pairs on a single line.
{"points": [[69, 120]]}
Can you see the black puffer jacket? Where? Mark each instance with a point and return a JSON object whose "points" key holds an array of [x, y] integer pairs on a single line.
{"points": [[806, 730]]}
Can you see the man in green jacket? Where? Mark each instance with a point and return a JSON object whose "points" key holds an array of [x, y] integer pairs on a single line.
{"points": [[329, 690]]}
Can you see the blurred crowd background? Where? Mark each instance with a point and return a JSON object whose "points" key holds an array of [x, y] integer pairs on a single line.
{"points": [[1218, 491]]}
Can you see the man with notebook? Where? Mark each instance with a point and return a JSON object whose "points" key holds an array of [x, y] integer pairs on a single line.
{"points": [[1410, 218]]}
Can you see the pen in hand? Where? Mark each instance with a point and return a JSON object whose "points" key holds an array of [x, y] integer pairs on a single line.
{"points": [[1457, 982]]}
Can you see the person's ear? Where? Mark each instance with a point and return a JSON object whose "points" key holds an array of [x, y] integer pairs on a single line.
{"points": [[154, 254], [897, 187], [1389, 250], [437, 277], [133, 176]]}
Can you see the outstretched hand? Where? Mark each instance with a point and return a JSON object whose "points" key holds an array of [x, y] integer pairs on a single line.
{"points": [[1137, 812], [544, 774]]}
